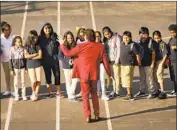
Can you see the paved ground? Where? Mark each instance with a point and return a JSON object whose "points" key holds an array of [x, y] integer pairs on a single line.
{"points": [[140, 114]]}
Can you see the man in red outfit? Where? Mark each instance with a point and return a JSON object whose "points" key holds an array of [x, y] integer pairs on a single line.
{"points": [[87, 69]]}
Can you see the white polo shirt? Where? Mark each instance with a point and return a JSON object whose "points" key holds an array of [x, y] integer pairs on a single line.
{"points": [[5, 46]]}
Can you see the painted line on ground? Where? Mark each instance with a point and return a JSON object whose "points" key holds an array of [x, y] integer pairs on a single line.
{"points": [[9, 111], [24, 20], [57, 97], [109, 124]]}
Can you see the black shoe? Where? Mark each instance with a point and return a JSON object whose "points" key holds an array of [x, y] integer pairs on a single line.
{"points": [[116, 95], [156, 94], [162, 95], [50, 95], [113, 95], [139, 94], [128, 97]]}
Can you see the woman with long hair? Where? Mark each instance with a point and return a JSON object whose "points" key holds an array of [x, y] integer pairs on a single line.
{"points": [[48, 41], [33, 54], [67, 65]]}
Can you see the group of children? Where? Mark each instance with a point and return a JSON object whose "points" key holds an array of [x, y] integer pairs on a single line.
{"points": [[152, 55]]}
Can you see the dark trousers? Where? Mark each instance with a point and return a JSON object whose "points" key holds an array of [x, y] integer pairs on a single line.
{"points": [[173, 74], [48, 69]]}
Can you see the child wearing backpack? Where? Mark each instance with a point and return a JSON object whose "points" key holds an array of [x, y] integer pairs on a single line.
{"points": [[147, 64], [112, 43], [18, 66], [160, 59], [129, 54]]}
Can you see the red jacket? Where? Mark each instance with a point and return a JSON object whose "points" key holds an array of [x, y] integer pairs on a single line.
{"points": [[90, 54]]}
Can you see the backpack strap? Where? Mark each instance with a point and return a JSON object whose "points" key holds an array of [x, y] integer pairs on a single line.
{"points": [[131, 46], [115, 40], [150, 44], [116, 35]]}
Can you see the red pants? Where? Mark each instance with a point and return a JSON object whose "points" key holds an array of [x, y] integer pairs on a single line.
{"points": [[87, 88]]}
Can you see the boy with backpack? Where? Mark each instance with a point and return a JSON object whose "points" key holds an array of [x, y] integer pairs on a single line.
{"points": [[160, 63], [147, 53], [129, 57]]}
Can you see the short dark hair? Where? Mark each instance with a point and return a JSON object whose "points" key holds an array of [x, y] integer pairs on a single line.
{"points": [[127, 33], [172, 27], [144, 30], [107, 29], [90, 35], [5, 25], [156, 32]]}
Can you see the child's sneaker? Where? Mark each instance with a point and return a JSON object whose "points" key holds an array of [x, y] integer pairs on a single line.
{"points": [[162, 95], [16, 98], [129, 97], [6, 93], [33, 97], [104, 97], [24, 98]]}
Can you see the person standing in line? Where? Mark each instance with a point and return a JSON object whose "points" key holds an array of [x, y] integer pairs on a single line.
{"points": [[79, 40], [33, 54], [67, 65], [18, 66], [90, 54], [146, 69], [129, 57], [112, 43], [173, 56], [101, 82], [6, 42], [80, 36], [48, 41], [160, 59]]}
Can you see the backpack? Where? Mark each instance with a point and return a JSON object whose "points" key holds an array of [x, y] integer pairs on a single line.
{"points": [[115, 41], [140, 49]]}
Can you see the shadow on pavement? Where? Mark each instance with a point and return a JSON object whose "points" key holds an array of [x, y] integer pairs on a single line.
{"points": [[173, 107], [12, 8]]}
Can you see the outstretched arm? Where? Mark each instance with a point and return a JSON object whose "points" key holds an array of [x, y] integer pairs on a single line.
{"points": [[69, 53]]}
